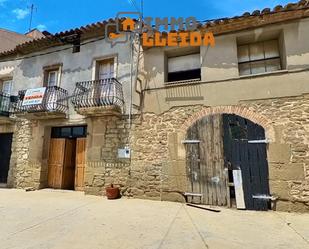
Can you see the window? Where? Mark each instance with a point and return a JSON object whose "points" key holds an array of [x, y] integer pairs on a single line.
{"points": [[186, 67], [52, 75], [105, 69], [52, 78], [260, 57], [6, 86], [69, 132]]}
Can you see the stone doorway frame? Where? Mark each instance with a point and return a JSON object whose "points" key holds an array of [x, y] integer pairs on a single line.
{"points": [[177, 149]]}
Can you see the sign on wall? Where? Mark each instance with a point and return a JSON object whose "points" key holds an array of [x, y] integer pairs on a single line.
{"points": [[34, 96]]}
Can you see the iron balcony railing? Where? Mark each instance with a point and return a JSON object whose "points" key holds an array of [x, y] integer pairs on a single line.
{"points": [[5, 104], [55, 100], [96, 93]]}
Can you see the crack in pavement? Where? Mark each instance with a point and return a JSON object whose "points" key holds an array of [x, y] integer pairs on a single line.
{"points": [[192, 222], [292, 228], [169, 228], [196, 228]]}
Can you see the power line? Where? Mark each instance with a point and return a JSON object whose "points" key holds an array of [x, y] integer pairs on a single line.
{"points": [[134, 4]]}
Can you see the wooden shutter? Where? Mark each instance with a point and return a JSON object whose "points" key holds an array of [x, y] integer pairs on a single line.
{"points": [[55, 162], [80, 163], [106, 69], [184, 63]]}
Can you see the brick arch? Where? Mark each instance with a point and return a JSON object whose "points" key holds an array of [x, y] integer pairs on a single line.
{"points": [[238, 110]]}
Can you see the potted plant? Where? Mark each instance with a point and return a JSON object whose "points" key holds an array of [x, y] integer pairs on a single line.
{"points": [[112, 192]]}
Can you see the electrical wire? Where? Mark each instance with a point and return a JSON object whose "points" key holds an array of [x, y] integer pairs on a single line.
{"points": [[134, 4]]}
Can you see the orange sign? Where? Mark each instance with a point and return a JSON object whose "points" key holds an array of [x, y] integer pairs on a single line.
{"points": [[171, 39]]}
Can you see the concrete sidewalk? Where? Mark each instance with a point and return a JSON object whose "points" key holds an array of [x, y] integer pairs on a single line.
{"points": [[63, 219]]}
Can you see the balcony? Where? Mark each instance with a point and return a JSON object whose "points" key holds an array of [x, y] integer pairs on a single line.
{"points": [[54, 105], [5, 104], [98, 97]]}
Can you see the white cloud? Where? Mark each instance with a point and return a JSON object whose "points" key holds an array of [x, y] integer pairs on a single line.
{"points": [[21, 13], [41, 27]]}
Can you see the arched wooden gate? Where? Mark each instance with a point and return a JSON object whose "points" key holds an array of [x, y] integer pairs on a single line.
{"points": [[227, 162]]}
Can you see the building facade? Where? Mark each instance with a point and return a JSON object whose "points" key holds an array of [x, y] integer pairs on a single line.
{"points": [[224, 125]]}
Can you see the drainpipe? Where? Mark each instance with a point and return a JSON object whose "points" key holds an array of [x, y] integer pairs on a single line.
{"points": [[131, 80]]}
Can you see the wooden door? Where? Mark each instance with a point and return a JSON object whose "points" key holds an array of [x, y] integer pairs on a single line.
{"points": [[248, 157], [80, 163], [193, 170], [5, 155], [206, 161], [55, 162], [69, 164]]}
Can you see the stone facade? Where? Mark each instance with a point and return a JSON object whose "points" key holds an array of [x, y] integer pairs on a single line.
{"points": [[158, 164], [157, 167], [164, 112]]}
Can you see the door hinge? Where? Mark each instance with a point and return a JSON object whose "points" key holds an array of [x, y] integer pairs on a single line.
{"points": [[190, 141]]}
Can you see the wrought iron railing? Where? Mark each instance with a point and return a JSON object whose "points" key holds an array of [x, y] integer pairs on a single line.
{"points": [[5, 104], [55, 100], [96, 93]]}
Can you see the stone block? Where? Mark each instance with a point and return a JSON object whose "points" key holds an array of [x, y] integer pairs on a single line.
{"points": [[94, 154], [280, 189], [177, 183], [98, 127], [152, 194], [285, 206], [89, 190], [137, 192], [172, 145], [279, 153], [177, 168], [98, 141], [174, 197], [287, 172]]}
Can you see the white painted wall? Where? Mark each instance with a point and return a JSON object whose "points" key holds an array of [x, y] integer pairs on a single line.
{"points": [[28, 73]]}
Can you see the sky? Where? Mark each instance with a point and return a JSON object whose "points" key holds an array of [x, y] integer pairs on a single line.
{"points": [[59, 15]]}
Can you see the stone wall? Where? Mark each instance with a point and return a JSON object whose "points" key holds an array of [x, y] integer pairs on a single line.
{"points": [[23, 173], [158, 158], [105, 136], [157, 167]]}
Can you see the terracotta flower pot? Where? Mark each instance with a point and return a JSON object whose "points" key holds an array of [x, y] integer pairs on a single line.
{"points": [[112, 192]]}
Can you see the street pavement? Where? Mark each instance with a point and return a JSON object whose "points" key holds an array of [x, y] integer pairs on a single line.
{"points": [[51, 219]]}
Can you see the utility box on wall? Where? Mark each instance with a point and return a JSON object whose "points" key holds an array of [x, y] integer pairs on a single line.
{"points": [[124, 153]]}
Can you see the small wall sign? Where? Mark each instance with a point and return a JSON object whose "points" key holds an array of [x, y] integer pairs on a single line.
{"points": [[124, 153]]}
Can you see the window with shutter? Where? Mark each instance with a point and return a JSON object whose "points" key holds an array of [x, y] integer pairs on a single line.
{"points": [[52, 78], [52, 75], [260, 57], [105, 69], [186, 67]]}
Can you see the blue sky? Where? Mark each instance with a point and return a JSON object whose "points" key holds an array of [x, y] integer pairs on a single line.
{"points": [[56, 15]]}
